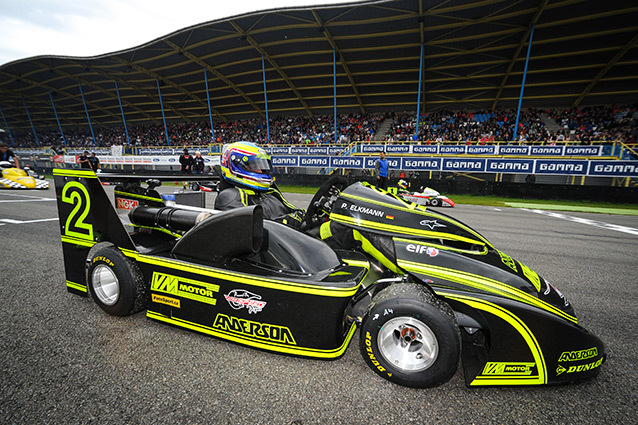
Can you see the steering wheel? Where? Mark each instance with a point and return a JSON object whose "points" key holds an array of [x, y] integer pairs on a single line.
{"points": [[321, 204]]}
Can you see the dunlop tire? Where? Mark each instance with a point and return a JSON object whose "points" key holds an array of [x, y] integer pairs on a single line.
{"points": [[133, 295], [412, 300]]}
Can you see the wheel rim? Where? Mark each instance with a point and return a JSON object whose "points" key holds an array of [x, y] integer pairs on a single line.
{"points": [[408, 344], [105, 285]]}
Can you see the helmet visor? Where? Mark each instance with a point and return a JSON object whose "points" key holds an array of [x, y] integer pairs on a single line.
{"points": [[259, 164]]}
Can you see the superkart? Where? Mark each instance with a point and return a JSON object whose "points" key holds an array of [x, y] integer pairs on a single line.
{"points": [[16, 178], [426, 196], [428, 290]]}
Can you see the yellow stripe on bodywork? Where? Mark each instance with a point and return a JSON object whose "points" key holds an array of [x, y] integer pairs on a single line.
{"points": [[419, 211], [521, 328], [77, 241], [252, 280], [375, 253], [76, 286], [484, 284], [74, 173], [252, 342], [398, 229], [135, 195]]}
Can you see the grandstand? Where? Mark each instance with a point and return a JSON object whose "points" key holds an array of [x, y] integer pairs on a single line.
{"points": [[473, 72]]}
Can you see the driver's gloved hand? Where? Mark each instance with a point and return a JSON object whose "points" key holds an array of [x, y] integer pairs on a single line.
{"points": [[294, 219]]}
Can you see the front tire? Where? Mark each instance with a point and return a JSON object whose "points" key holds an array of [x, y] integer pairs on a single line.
{"points": [[411, 338], [435, 202], [116, 283]]}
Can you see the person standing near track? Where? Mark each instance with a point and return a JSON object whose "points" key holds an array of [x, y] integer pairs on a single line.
{"points": [[381, 171], [84, 161], [186, 162], [198, 163], [95, 162], [7, 154]]}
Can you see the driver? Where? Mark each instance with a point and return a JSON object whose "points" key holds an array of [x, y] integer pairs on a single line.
{"points": [[246, 180]]}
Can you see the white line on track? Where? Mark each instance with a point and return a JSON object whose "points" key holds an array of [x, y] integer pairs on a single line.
{"points": [[26, 200], [11, 221], [601, 224], [25, 196]]}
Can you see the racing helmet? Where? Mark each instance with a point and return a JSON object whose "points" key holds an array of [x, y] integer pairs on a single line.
{"points": [[402, 184], [246, 164]]}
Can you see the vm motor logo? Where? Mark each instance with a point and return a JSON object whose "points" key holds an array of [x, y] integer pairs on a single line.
{"points": [[508, 369], [195, 290]]}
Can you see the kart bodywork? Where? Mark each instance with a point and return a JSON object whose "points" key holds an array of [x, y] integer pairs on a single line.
{"points": [[238, 277], [16, 178]]}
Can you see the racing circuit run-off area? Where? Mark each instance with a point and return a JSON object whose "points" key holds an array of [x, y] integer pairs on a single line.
{"points": [[378, 212]]}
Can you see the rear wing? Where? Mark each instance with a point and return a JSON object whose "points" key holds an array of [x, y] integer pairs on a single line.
{"points": [[87, 217]]}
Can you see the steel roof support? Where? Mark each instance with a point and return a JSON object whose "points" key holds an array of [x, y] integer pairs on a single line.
{"points": [[7, 126], [57, 118], [520, 98], [533, 22], [342, 61], [272, 62], [165, 80], [101, 90], [87, 113], [210, 113], [605, 69], [31, 122], [218, 74], [418, 98], [334, 84], [119, 99], [168, 142], [263, 73], [140, 91]]}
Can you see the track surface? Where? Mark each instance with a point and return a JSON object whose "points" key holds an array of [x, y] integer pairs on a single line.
{"points": [[64, 361]]}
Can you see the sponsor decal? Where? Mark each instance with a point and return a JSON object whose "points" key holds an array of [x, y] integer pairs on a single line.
{"points": [[421, 163], [513, 150], [454, 149], [510, 165], [546, 150], [173, 302], [570, 356], [285, 161], [185, 288], [126, 204], [346, 162], [363, 210], [240, 298], [560, 294], [103, 259], [430, 149], [614, 168], [389, 217], [582, 150], [431, 224], [561, 167], [397, 148], [257, 330], [464, 164], [508, 369], [508, 261], [371, 355], [319, 161], [420, 249], [582, 368], [481, 150]]}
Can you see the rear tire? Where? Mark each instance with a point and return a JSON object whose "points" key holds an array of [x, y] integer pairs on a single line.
{"points": [[411, 338], [116, 283], [195, 186]]}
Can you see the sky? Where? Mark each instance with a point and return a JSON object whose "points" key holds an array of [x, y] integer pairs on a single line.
{"points": [[94, 27]]}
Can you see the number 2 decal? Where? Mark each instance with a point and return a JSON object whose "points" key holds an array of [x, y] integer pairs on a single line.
{"points": [[76, 194]]}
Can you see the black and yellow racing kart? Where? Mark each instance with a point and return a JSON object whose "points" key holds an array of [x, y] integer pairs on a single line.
{"points": [[428, 290]]}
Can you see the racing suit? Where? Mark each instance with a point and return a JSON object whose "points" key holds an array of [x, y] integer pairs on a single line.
{"points": [[275, 206]]}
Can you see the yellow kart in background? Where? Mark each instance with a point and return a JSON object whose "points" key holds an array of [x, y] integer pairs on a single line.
{"points": [[15, 178]]}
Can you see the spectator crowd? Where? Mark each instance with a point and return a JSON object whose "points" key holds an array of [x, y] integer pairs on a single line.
{"points": [[583, 125]]}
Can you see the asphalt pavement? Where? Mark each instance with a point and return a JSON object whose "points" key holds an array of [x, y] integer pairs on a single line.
{"points": [[64, 361]]}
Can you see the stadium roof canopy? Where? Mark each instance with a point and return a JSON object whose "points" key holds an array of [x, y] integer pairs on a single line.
{"points": [[583, 52]]}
